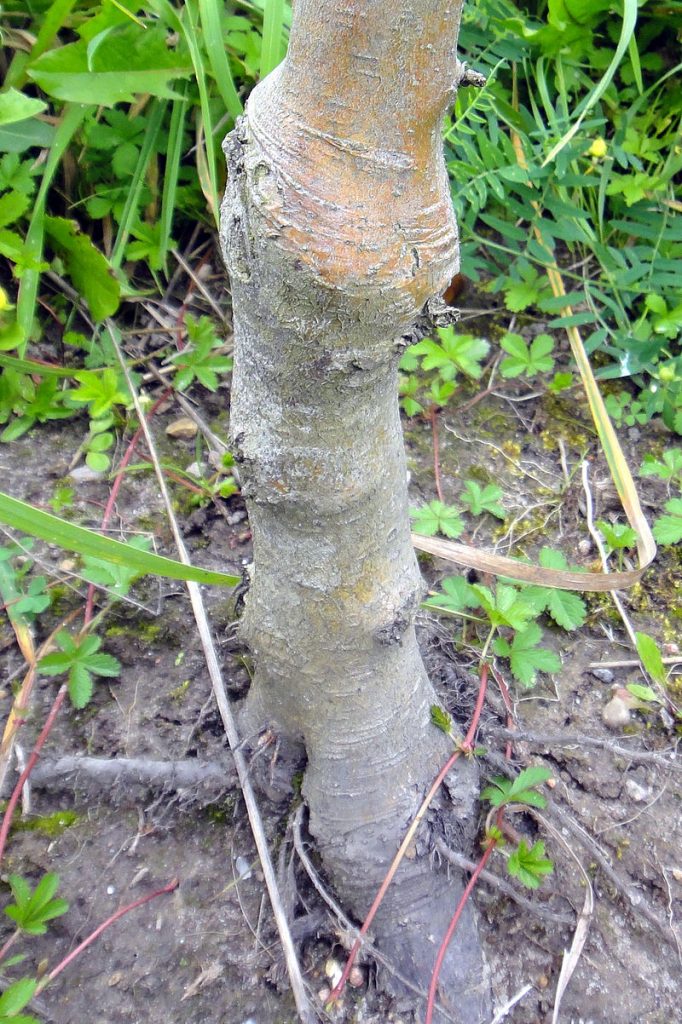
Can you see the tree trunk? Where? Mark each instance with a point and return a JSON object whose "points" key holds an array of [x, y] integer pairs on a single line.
{"points": [[338, 234]]}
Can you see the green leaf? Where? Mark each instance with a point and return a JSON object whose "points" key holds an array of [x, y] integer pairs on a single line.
{"points": [[132, 60], [617, 535], [520, 790], [13, 206], [86, 266], [524, 359], [37, 523], [20, 890], [441, 719], [650, 656], [15, 998], [102, 665], [644, 693], [668, 529], [506, 608], [566, 608], [15, 106], [32, 910], [457, 595], [80, 686], [529, 865], [436, 517], [668, 469], [483, 499], [526, 659]]}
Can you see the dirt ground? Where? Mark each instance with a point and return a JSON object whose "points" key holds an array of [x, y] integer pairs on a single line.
{"points": [[209, 953]]}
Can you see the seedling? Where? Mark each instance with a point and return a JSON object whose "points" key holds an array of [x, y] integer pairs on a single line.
{"points": [[80, 660], [436, 517], [482, 499], [199, 360], [526, 360], [32, 910], [529, 865], [521, 790]]}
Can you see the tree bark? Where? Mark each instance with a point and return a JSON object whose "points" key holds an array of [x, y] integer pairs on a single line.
{"points": [[338, 234]]}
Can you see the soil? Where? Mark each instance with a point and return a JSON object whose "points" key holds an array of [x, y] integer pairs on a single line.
{"points": [[208, 953]]}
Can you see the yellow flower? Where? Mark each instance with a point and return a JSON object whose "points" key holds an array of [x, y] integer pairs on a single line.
{"points": [[598, 149]]}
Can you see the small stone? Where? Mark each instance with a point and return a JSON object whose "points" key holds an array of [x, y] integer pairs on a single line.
{"points": [[324, 994], [111, 889], [671, 649], [115, 979], [236, 517], [333, 970], [677, 874], [84, 475], [585, 546], [183, 428], [636, 791], [604, 675], [543, 981], [356, 978], [68, 564], [616, 714], [195, 469], [243, 868]]}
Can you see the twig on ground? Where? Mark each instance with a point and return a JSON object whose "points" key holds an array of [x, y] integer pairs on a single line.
{"points": [[16, 792], [511, 1003], [303, 1005], [596, 537], [582, 927], [199, 284], [134, 771], [634, 897], [489, 878], [664, 758], [675, 659]]}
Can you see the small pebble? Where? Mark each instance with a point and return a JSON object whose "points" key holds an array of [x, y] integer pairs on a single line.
{"points": [[111, 889], [324, 994], [616, 713], [333, 970], [543, 981], [604, 675], [356, 978], [636, 791], [243, 868], [84, 475], [585, 546], [183, 427], [236, 517]]}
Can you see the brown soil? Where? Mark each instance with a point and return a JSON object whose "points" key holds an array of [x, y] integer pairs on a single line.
{"points": [[208, 953]]}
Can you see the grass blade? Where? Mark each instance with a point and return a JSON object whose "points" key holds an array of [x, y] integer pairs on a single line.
{"points": [[30, 280], [133, 199], [273, 27], [170, 178], [54, 530], [626, 34], [212, 35]]}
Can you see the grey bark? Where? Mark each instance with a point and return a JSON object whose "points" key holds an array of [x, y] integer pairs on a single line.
{"points": [[333, 266]]}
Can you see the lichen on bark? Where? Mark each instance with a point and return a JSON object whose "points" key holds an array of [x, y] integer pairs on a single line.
{"points": [[339, 236]]}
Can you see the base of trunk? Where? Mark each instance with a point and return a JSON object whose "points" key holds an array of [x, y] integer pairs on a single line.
{"points": [[416, 911]]}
